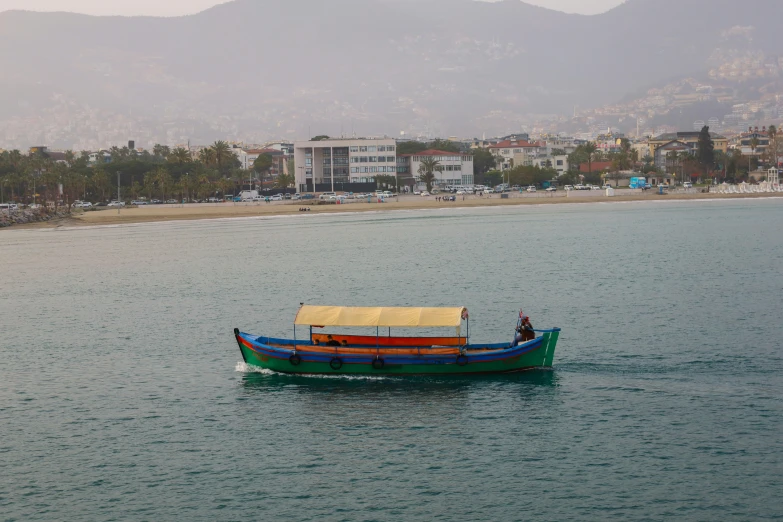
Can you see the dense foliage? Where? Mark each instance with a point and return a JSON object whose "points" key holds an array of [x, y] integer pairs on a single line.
{"points": [[162, 173]]}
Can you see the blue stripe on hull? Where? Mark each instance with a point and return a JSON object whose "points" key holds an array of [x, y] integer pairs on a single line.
{"points": [[504, 352]]}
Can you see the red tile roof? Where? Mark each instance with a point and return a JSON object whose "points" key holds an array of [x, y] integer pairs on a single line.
{"points": [[508, 144], [597, 166]]}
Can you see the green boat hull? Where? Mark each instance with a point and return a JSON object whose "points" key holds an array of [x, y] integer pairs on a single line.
{"points": [[540, 357]]}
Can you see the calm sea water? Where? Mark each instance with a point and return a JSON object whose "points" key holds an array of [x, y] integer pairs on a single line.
{"points": [[122, 395]]}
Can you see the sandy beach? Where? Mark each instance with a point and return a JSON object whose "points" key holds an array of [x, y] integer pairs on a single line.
{"points": [[154, 213]]}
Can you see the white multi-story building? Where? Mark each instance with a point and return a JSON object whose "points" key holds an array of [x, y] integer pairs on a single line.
{"points": [[453, 168], [334, 162], [509, 153]]}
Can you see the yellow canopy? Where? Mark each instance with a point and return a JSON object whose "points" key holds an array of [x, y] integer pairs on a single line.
{"points": [[378, 316]]}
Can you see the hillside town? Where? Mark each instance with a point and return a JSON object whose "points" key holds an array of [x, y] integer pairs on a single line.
{"points": [[224, 170]]}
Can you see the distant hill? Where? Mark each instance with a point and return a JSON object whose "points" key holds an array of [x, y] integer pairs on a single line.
{"points": [[277, 66]]}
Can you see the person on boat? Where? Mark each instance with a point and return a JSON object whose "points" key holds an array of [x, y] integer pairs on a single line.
{"points": [[528, 334], [524, 331], [331, 342], [344, 343]]}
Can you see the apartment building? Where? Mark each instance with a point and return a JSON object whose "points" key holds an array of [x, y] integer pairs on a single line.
{"points": [[689, 138], [743, 141], [515, 152], [334, 162], [453, 168]]}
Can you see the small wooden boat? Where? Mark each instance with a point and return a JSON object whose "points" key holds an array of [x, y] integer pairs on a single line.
{"points": [[383, 354]]}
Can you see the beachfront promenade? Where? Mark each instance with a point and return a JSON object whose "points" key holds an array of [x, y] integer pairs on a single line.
{"points": [[152, 213]]}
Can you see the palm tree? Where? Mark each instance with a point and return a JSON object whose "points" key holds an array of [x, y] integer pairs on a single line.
{"points": [[179, 156], [163, 178], [773, 144], [161, 151], [673, 156], [589, 149], [427, 169], [284, 181], [222, 153], [684, 157], [207, 156], [754, 143]]}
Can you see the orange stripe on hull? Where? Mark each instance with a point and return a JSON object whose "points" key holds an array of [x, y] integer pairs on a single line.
{"points": [[391, 341], [382, 351]]}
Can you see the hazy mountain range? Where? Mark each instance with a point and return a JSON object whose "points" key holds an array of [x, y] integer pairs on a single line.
{"points": [[277, 67]]}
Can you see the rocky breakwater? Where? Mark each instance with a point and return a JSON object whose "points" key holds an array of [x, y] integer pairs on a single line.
{"points": [[24, 216]]}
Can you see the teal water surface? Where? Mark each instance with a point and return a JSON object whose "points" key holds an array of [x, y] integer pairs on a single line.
{"points": [[123, 395]]}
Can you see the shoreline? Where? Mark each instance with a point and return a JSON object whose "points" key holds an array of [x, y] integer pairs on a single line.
{"points": [[199, 211]]}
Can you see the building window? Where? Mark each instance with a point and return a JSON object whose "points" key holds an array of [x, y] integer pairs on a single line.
{"points": [[363, 169], [354, 170], [390, 148], [517, 151], [390, 159], [371, 148], [559, 162], [505, 152], [381, 148], [363, 148], [354, 148], [373, 159]]}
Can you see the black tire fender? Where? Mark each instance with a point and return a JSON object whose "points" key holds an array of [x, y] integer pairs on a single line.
{"points": [[336, 363], [462, 359], [295, 360], [378, 363]]}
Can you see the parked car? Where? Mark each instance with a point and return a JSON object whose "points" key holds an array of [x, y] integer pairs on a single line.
{"points": [[214, 200], [139, 202], [257, 199], [688, 184], [531, 188], [277, 197], [286, 196], [607, 185], [116, 204], [568, 187], [81, 204], [487, 190], [460, 192], [171, 201], [417, 192], [595, 187], [10, 206], [551, 189], [156, 202], [296, 196], [425, 193]]}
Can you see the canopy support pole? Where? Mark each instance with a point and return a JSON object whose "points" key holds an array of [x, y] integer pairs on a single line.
{"points": [[294, 338]]}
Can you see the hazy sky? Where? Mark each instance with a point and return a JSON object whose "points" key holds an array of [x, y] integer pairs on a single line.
{"points": [[181, 7]]}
